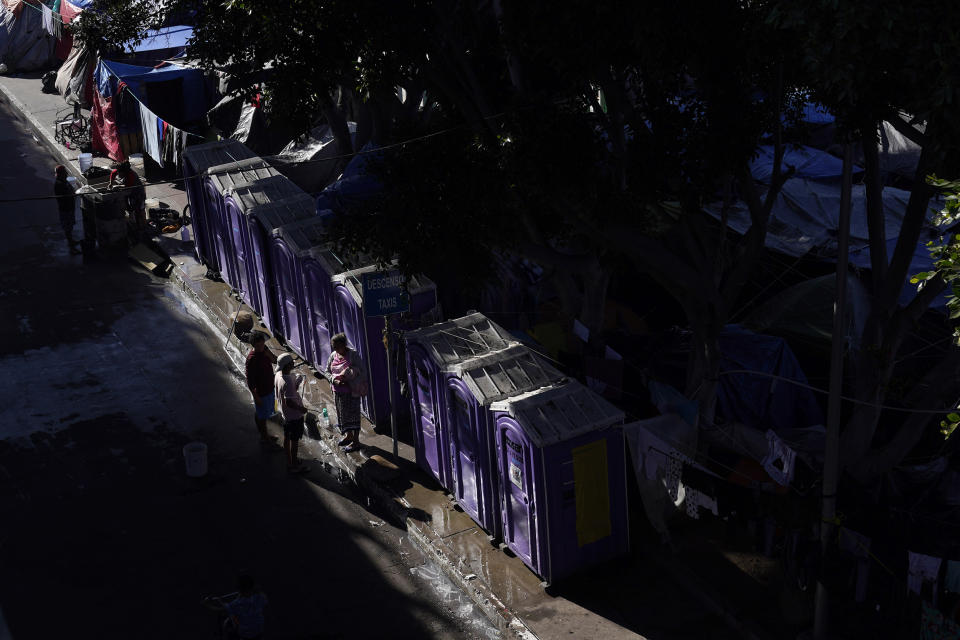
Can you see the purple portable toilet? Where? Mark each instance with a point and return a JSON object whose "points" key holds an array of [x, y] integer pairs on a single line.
{"points": [[220, 179], [196, 160], [470, 388], [561, 472], [238, 202], [262, 219], [429, 351], [318, 273], [289, 245], [366, 334]]}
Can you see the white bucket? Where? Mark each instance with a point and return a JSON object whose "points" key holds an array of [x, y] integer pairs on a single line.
{"points": [[195, 454], [86, 161]]}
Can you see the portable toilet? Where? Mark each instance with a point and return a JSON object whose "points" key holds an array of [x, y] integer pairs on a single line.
{"points": [[239, 201], [220, 179], [470, 388], [289, 245], [561, 472], [261, 220], [429, 351], [196, 160], [318, 266]]}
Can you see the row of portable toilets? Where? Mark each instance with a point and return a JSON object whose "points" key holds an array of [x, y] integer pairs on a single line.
{"points": [[534, 458]]}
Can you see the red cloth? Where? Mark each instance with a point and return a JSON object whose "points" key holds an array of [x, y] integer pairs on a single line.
{"points": [[68, 12], [129, 180], [259, 372], [103, 134], [64, 45]]}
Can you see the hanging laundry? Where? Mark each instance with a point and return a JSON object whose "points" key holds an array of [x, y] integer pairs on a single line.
{"points": [[858, 545], [48, 20], [952, 582], [780, 459], [922, 569], [148, 124]]}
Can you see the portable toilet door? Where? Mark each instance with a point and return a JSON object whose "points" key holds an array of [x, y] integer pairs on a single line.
{"points": [[518, 503], [350, 321], [236, 224], [471, 387], [291, 243], [261, 220], [430, 439], [318, 292]]}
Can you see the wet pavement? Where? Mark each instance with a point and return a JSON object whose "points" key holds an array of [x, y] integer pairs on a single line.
{"points": [[105, 373]]}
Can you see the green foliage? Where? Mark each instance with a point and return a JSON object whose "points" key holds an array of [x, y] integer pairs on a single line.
{"points": [[111, 25], [946, 249]]}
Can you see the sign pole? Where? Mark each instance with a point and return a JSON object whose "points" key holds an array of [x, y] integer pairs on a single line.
{"points": [[388, 344]]}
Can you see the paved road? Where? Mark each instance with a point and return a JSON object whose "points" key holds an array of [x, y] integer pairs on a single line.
{"points": [[105, 373]]}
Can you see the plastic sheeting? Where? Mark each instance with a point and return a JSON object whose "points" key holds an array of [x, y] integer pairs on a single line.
{"points": [[24, 43], [354, 187], [312, 162], [805, 216], [807, 162], [174, 37], [103, 132], [761, 401], [75, 77]]}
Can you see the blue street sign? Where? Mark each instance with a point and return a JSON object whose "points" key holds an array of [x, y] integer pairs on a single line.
{"points": [[384, 292]]}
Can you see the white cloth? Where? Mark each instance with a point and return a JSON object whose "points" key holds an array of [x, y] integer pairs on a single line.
{"points": [[777, 450], [151, 143], [288, 397], [48, 19], [858, 545], [923, 569]]}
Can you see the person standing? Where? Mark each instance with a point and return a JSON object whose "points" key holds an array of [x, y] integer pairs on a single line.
{"points": [[66, 206], [348, 377], [287, 387], [124, 177], [259, 375]]}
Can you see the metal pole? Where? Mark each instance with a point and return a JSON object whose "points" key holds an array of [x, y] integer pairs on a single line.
{"points": [[831, 460], [388, 343]]}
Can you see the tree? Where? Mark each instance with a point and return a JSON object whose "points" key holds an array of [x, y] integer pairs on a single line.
{"points": [[871, 62], [583, 139], [107, 26]]}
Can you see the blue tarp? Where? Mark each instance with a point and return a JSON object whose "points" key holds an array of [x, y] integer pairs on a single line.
{"points": [[760, 401], [81, 4], [108, 74], [807, 162], [354, 187], [922, 261], [174, 37]]}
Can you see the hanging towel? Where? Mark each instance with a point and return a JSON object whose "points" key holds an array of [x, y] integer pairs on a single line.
{"points": [[148, 123], [953, 576], [934, 626], [48, 19], [858, 545], [779, 452], [923, 569]]}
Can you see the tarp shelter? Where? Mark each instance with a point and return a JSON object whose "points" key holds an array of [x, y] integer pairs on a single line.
{"points": [[25, 44], [312, 161], [354, 187], [175, 94], [764, 398], [807, 162]]}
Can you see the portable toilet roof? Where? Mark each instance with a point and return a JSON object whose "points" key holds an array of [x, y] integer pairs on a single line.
{"points": [[504, 373], [264, 191], [278, 213], [226, 176], [559, 412], [352, 281], [303, 235], [460, 339], [211, 154], [334, 262]]}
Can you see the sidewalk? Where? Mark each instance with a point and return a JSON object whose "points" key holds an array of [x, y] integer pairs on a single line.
{"points": [[650, 592]]}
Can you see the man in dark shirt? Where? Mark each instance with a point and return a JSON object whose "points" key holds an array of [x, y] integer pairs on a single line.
{"points": [[259, 374], [66, 205]]}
